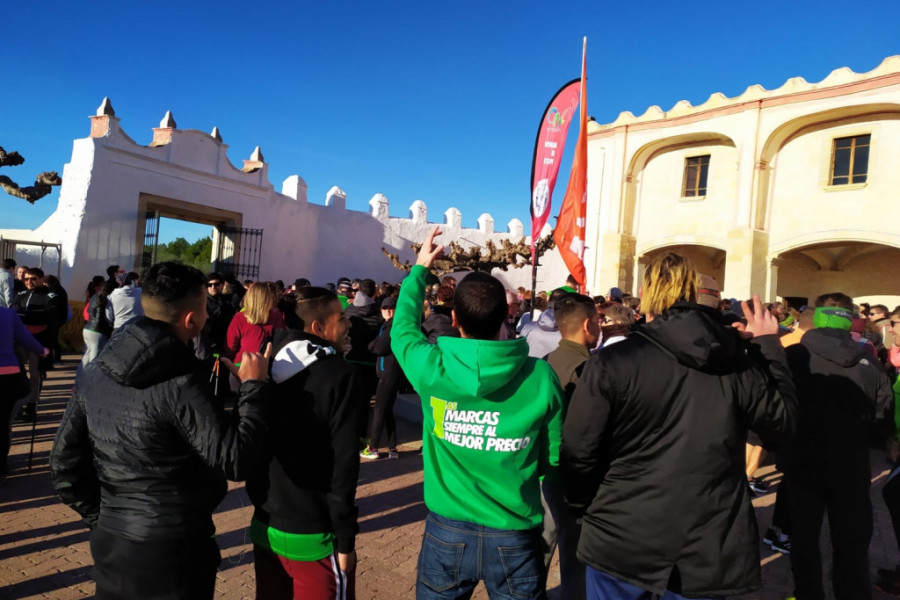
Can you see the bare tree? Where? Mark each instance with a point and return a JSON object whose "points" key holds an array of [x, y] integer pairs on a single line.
{"points": [[486, 259], [42, 184]]}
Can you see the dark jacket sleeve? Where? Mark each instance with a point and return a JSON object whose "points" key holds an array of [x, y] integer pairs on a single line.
{"points": [[381, 345], [767, 395], [581, 457], [341, 497], [71, 463], [231, 444]]}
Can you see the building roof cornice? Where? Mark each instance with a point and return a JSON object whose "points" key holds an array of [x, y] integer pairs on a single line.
{"points": [[796, 89]]}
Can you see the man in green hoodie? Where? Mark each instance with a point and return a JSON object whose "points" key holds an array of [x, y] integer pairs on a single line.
{"points": [[492, 420]]}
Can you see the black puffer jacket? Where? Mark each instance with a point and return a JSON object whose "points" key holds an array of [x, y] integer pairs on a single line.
{"points": [[653, 452], [143, 450]]}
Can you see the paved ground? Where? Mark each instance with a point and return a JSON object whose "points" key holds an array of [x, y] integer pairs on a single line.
{"points": [[44, 550]]}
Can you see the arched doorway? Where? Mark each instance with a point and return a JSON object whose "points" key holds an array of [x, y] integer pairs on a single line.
{"points": [[865, 271]]}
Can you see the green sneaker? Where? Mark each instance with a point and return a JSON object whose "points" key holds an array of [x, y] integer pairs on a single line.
{"points": [[370, 454]]}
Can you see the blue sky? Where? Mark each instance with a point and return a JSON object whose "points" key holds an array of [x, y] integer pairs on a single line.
{"points": [[415, 100]]}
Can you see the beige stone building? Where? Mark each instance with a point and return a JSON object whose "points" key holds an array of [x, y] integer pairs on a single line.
{"points": [[788, 193]]}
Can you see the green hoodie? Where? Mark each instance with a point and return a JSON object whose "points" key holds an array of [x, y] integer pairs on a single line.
{"points": [[492, 419]]}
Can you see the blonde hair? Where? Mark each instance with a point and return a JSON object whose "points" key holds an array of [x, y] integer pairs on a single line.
{"points": [[258, 303], [669, 278]]}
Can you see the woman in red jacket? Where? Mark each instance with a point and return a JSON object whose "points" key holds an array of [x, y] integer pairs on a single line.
{"points": [[251, 329]]}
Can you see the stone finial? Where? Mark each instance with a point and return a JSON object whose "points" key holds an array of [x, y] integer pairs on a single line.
{"points": [[104, 122], [336, 198], [379, 205], [515, 229], [294, 187], [255, 163], [418, 212], [486, 223], [452, 217], [216, 135], [106, 108], [168, 121]]}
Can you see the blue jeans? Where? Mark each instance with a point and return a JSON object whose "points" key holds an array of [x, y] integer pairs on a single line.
{"points": [[601, 586], [456, 555]]}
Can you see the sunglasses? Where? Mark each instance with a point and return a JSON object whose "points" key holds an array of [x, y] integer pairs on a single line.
{"points": [[31, 279], [895, 323], [213, 284]]}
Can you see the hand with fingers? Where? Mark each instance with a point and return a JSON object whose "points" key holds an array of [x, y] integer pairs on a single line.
{"points": [[759, 320], [429, 251], [254, 366]]}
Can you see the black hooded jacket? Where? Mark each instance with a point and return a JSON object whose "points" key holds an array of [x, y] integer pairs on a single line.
{"points": [[309, 485], [143, 450], [653, 452], [842, 394]]}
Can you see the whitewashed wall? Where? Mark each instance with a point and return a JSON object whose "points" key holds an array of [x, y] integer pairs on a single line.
{"points": [[98, 214]]}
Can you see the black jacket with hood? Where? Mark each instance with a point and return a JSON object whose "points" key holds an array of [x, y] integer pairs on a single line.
{"points": [[653, 452], [842, 394], [143, 450], [309, 485], [365, 320]]}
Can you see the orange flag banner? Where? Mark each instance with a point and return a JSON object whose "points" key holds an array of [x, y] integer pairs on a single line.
{"points": [[570, 227]]}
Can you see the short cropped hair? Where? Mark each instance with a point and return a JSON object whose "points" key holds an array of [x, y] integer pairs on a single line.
{"points": [[837, 299], [37, 272], [111, 271], [571, 311], [367, 287], [9, 263], [480, 305], [880, 308], [170, 288], [669, 278], [555, 295], [131, 277], [215, 276], [314, 304]]}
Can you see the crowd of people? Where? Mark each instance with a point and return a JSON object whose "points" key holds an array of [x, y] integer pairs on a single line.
{"points": [[623, 432]]}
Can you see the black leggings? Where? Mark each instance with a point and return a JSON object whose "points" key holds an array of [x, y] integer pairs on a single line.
{"points": [[385, 397], [12, 388]]}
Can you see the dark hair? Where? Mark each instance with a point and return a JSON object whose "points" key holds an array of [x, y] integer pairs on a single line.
{"points": [[35, 271], [92, 286], [555, 295], [838, 299], [111, 271], [445, 295], [131, 277], [314, 304], [102, 296], [170, 287], [367, 287], [53, 283], [480, 305], [8, 263], [571, 311], [215, 275]]}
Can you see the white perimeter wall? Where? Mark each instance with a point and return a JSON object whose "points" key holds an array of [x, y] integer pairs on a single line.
{"points": [[99, 213]]}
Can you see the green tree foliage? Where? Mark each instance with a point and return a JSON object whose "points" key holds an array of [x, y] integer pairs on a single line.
{"points": [[198, 254]]}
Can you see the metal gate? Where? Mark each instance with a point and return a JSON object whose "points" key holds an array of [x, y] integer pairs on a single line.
{"points": [[151, 239], [238, 252]]}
